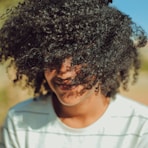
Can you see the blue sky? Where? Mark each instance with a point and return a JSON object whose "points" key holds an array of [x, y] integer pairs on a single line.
{"points": [[136, 9]]}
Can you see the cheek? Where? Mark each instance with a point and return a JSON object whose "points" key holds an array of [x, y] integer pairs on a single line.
{"points": [[49, 75]]}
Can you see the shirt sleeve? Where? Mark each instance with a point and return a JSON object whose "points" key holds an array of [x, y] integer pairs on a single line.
{"points": [[143, 140], [9, 139]]}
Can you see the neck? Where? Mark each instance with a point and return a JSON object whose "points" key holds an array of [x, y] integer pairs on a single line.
{"points": [[82, 114]]}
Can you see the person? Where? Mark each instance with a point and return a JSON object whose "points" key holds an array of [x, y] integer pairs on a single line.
{"points": [[75, 55]]}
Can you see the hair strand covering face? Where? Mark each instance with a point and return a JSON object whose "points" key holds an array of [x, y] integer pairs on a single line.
{"points": [[41, 33]]}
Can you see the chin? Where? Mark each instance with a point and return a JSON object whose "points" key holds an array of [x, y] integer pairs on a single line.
{"points": [[69, 100]]}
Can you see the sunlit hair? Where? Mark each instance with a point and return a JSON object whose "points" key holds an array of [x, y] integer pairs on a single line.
{"points": [[40, 34]]}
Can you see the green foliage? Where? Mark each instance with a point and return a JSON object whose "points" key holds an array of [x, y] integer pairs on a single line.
{"points": [[4, 6], [8, 3]]}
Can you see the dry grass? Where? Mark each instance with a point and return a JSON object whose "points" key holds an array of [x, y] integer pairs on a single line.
{"points": [[139, 91], [9, 94]]}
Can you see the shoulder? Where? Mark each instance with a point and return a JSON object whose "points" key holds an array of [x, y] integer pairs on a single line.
{"points": [[31, 113], [132, 115], [32, 105], [129, 107]]}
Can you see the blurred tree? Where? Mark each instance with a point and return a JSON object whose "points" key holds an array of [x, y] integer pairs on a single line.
{"points": [[4, 6]]}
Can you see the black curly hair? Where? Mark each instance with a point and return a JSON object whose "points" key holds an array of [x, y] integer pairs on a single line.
{"points": [[41, 33]]}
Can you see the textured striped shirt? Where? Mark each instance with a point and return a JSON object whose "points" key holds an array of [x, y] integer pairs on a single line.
{"points": [[34, 124]]}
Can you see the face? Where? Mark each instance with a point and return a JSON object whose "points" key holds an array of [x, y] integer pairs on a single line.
{"points": [[61, 84]]}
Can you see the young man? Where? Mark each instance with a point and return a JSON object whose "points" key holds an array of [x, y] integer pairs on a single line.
{"points": [[75, 55]]}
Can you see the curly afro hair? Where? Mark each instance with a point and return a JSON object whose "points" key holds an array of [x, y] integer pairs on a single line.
{"points": [[41, 33]]}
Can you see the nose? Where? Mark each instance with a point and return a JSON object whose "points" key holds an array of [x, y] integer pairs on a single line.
{"points": [[65, 67], [66, 71]]}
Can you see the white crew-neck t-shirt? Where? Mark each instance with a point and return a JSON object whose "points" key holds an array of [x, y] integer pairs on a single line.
{"points": [[34, 124]]}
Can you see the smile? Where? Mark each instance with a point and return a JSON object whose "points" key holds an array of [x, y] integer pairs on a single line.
{"points": [[65, 86]]}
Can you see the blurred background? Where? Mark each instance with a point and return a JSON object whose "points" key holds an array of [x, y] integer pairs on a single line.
{"points": [[10, 94]]}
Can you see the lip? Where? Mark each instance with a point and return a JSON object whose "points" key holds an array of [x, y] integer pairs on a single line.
{"points": [[65, 87]]}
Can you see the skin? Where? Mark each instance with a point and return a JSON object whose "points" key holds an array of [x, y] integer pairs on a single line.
{"points": [[75, 107]]}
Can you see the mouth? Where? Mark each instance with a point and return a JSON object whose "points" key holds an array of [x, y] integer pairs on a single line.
{"points": [[65, 86]]}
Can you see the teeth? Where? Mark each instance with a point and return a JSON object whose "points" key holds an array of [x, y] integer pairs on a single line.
{"points": [[66, 86]]}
